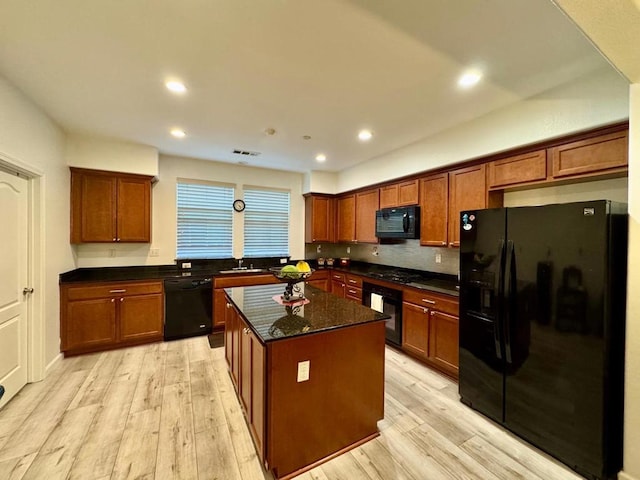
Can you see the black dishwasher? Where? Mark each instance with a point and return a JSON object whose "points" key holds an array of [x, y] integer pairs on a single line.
{"points": [[188, 307]]}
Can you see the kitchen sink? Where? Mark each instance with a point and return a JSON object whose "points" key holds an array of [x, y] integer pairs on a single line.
{"points": [[243, 270]]}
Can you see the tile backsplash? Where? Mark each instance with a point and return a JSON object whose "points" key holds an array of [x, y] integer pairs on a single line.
{"points": [[404, 253]]}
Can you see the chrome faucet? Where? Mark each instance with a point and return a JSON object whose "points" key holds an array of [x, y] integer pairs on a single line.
{"points": [[240, 263]]}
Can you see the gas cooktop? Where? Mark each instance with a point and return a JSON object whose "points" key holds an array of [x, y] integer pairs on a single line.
{"points": [[396, 276]]}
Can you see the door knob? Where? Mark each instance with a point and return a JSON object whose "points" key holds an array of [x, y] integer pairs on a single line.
{"points": [[26, 290]]}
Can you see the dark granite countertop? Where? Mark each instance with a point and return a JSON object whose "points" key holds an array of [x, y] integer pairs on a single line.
{"points": [[271, 321], [436, 282]]}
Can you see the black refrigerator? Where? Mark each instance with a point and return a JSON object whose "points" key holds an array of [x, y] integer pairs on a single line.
{"points": [[542, 321]]}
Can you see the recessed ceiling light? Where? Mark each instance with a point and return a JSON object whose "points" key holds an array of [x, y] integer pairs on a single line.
{"points": [[176, 86], [321, 157], [178, 133], [469, 79], [365, 135]]}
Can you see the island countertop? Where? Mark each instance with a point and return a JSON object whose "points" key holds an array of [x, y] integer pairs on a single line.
{"points": [[272, 321]]}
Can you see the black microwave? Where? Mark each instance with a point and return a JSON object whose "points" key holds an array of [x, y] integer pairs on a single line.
{"points": [[401, 222]]}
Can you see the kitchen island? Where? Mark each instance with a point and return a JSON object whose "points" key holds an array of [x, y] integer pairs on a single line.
{"points": [[309, 376]]}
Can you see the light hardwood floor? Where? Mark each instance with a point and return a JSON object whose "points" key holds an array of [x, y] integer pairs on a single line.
{"points": [[168, 410]]}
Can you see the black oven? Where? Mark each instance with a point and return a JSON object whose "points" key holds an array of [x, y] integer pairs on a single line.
{"points": [[389, 301]]}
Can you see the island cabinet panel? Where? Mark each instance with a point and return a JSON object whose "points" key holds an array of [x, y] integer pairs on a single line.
{"points": [[110, 206], [434, 210], [319, 218], [518, 170], [367, 203], [346, 213], [593, 155], [467, 191], [339, 405], [101, 316]]}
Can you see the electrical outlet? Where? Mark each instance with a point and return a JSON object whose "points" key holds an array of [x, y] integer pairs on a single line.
{"points": [[348, 249], [374, 252], [283, 261], [438, 258], [154, 252], [303, 371], [186, 265], [319, 249]]}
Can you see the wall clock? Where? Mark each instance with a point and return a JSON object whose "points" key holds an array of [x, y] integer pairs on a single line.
{"points": [[238, 205]]}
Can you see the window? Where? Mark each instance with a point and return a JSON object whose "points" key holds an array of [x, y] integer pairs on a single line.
{"points": [[266, 223], [204, 220]]}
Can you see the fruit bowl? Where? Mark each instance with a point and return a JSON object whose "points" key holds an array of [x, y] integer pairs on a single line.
{"points": [[292, 292]]}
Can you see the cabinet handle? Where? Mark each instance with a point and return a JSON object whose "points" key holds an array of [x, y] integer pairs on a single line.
{"points": [[444, 243], [114, 239], [426, 300], [118, 239], [352, 281], [432, 313], [113, 300], [245, 330], [121, 299], [352, 291], [425, 310], [451, 244], [120, 290], [228, 305]]}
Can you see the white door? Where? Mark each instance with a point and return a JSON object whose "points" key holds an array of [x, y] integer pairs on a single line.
{"points": [[13, 279]]}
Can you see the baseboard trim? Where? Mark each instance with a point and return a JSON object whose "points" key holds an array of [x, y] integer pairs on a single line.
{"points": [[626, 476], [52, 364]]}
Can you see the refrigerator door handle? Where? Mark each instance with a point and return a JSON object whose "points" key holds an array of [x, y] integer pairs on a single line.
{"points": [[496, 330], [510, 275]]}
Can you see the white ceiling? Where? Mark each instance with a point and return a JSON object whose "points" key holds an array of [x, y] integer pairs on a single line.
{"points": [[303, 67]]}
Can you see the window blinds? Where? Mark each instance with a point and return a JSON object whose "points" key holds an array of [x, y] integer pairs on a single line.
{"points": [[204, 221], [266, 223]]}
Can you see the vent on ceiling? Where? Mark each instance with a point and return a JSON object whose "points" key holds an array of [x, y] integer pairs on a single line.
{"points": [[246, 152]]}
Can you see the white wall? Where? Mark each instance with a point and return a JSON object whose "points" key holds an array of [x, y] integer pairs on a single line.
{"points": [[599, 99], [28, 137], [164, 223], [113, 155], [632, 365], [317, 181]]}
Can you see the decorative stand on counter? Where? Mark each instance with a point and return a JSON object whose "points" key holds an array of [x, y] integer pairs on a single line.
{"points": [[292, 292]]}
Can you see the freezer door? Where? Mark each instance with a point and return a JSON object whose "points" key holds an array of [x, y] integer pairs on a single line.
{"points": [[482, 251], [555, 282]]}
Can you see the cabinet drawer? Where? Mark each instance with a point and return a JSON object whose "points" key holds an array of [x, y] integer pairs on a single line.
{"points": [[442, 303], [354, 293], [112, 290], [338, 277], [353, 280]]}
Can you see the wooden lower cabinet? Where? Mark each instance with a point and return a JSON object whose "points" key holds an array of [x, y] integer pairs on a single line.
{"points": [[233, 280], [319, 279], [102, 316], [430, 329]]}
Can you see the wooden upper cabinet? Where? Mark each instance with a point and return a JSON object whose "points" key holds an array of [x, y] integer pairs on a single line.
{"points": [[319, 219], [346, 208], [367, 203], [467, 191], [434, 210], [520, 169], [399, 194], [110, 207], [593, 155]]}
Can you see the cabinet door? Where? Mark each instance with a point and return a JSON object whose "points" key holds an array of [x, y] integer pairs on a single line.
{"points": [[529, 167], [408, 193], [338, 288], [389, 196], [90, 323], [366, 205], [219, 307], [134, 210], [467, 191], [258, 394], [245, 369], [94, 208], [322, 284], [434, 206], [443, 341], [415, 329], [320, 219], [141, 317], [228, 331], [234, 318], [597, 154], [346, 207]]}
